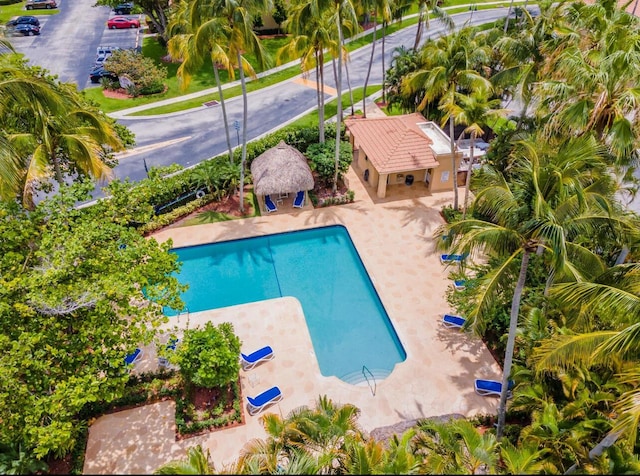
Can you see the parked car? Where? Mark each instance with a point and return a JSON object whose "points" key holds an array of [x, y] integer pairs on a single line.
{"points": [[98, 72], [38, 4], [25, 19], [26, 29], [123, 22], [123, 8], [103, 52]]}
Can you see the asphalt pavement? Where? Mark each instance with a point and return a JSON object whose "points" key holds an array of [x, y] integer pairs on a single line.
{"points": [[68, 40], [191, 136]]}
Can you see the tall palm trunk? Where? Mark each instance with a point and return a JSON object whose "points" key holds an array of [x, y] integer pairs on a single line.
{"points": [[506, 21], [468, 179], [454, 167], [511, 340], [320, 77], [346, 70], [339, 116], [366, 79], [420, 28], [56, 166], [244, 130], [384, 33], [224, 111]]}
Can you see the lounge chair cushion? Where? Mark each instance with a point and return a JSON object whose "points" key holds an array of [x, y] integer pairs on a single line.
{"points": [[171, 345], [133, 357], [450, 320], [447, 258], [271, 207], [266, 398], [254, 358], [459, 284], [491, 387], [299, 200]]}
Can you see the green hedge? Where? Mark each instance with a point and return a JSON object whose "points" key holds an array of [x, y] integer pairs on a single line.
{"points": [[169, 193], [9, 2], [189, 427]]}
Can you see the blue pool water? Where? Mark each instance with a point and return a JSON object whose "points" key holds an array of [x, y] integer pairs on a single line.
{"points": [[348, 324]]}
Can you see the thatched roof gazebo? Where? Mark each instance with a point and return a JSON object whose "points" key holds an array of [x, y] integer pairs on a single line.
{"points": [[280, 171]]}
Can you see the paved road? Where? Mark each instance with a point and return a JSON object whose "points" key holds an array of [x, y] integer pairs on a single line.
{"points": [[68, 40], [199, 134]]}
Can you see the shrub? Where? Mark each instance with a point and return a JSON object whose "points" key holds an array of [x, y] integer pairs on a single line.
{"points": [[450, 215], [146, 76], [322, 158], [165, 185], [208, 357], [185, 423]]}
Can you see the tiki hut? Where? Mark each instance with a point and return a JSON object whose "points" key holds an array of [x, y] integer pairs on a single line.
{"points": [[279, 173]]}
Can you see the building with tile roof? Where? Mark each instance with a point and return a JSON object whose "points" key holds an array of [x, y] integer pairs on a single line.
{"points": [[402, 149]]}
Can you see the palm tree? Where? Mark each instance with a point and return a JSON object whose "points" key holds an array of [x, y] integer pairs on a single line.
{"points": [[455, 447], [196, 462], [526, 458], [48, 125], [237, 16], [193, 43], [450, 64], [594, 80], [310, 37], [425, 8], [474, 111], [342, 13], [553, 194], [614, 296], [524, 53], [324, 432], [382, 8]]}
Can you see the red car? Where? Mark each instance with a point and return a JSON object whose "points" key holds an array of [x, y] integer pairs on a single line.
{"points": [[123, 22]]}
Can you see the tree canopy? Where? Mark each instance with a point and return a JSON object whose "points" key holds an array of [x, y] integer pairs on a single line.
{"points": [[73, 284]]}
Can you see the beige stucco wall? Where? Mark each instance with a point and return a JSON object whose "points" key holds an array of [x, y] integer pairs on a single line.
{"points": [[438, 182], [364, 164]]}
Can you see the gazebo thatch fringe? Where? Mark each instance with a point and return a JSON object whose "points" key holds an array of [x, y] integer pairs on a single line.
{"points": [[279, 170]]}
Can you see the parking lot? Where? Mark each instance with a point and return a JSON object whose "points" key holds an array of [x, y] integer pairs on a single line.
{"points": [[68, 41]]}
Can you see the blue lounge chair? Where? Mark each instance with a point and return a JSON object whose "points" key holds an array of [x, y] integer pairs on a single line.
{"points": [[445, 258], [171, 345], [262, 401], [253, 359], [491, 387], [459, 284], [134, 357], [449, 320], [271, 207], [298, 202]]}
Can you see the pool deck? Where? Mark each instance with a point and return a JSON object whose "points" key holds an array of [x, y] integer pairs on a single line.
{"points": [[394, 239]]}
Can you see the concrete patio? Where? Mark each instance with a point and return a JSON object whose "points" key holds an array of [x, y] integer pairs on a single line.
{"points": [[394, 239]]}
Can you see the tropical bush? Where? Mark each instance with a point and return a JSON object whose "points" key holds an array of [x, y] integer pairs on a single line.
{"points": [[208, 357], [322, 160], [77, 285], [146, 76]]}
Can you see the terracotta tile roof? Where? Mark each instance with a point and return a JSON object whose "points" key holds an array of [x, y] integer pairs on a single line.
{"points": [[394, 143]]}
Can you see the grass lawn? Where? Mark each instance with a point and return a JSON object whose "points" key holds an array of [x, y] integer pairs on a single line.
{"points": [[204, 78], [7, 12], [331, 108]]}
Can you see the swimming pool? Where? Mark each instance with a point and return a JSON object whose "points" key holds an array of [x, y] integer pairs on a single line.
{"points": [[348, 324]]}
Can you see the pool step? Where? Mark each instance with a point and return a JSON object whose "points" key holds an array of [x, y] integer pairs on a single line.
{"points": [[358, 378]]}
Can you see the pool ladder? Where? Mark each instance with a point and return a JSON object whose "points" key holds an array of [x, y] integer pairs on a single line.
{"points": [[185, 310], [374, 388]]}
